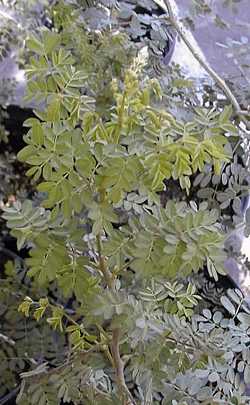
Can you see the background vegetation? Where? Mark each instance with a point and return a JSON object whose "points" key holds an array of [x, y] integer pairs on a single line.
{"points": [[123, 199]]}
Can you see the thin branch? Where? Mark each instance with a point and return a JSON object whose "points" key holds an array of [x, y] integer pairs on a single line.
{"points": [[102, 266], [167, 7], [117, 362], [119, 368], [44, 372], [8, 397], [7, 339], [245, 113], [7, 16]]}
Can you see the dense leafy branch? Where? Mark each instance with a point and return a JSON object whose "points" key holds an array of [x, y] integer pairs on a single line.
{"points": [[114, 264]]}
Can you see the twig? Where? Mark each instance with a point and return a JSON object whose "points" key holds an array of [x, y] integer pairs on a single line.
{"points": [[167, 7], [7, 339], [6, 399], [102, 266], [117, 362], [119, 368], [7, 16], [45, 372]]}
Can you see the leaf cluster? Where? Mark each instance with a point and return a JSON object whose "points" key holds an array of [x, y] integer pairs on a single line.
{"points": [[109, 261]]}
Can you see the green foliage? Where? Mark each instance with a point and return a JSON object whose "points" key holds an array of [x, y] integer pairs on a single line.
{"points": [[149, 141], [23, 344], [108, 267], [173, 297], [175, 241], [25, 220]]}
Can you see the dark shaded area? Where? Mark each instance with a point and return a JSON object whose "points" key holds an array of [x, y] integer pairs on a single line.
{"points": [[13, 123]]}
